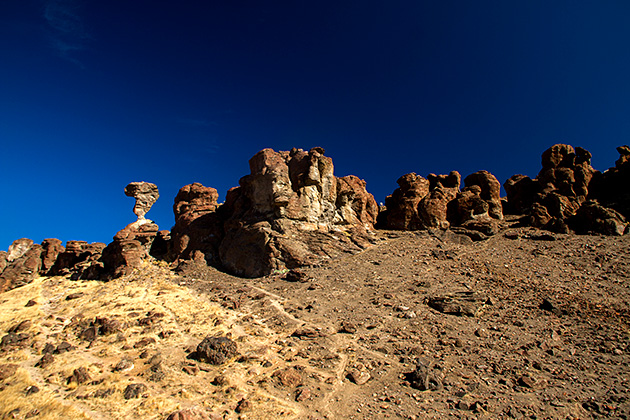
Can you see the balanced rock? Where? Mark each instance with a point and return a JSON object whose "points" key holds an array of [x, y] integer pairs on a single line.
{"points": [[132, 244], [146, 194]]}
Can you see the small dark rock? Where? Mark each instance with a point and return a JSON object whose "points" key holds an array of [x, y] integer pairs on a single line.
{"points": [[243, 406], [31, 390], [30, 303], [134, 391], [216, 350], [78, 376], [72, 296], [7, 370], [424, 379], [22, 326], [296, 275], [45, 361]]}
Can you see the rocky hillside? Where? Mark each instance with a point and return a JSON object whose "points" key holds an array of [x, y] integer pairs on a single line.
{"points": [[424, 324], [300, 298]]}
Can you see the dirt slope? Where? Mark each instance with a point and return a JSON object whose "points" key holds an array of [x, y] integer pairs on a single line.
{"points": [[523, 325]]}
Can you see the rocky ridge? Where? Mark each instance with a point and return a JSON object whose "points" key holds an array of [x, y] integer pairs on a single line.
{"points": [[291, 211]]}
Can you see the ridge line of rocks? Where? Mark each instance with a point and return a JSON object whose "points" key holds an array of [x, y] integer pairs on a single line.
{"points": [[291, 211]]}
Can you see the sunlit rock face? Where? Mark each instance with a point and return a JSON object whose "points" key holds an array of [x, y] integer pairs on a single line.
{"points": [[132, 244], [288, 212], [146, 194]]}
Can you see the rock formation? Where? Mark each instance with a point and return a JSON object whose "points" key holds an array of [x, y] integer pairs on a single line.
{"points": [[198, 228], [146, 194], [289, 211], [80, 260], [421, 203], [566, 181], [610, 188], [132, 244], [23, 262], [292, 211]]}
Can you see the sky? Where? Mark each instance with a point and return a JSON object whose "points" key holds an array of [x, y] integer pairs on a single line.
{"points": [[94, 95]]}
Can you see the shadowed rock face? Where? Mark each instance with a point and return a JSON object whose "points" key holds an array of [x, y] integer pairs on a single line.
{"points": [[197, 225], [610, 188], [557, 199], [23, 262]]}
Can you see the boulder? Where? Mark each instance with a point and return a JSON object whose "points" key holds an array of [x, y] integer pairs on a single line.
{"points": [[146, 194], [594, 218], [291, 211]]}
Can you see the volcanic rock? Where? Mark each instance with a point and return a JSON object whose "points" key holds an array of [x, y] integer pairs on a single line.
{"points": [[594, 218], [197, 225], [51, 248], [552, 200], [402, 204], [146, 194], [132, 244], [216, 350], [23, 264], [432, 209], [610, 188], [3, 261], [80, 260], [292, 211]]}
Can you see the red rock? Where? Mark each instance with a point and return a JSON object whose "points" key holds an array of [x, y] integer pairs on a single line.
{"points": [[18, 248], [51, 248], [197, 225], [610, 188], [23, 266], [291, 211], [402, 205], [490, 191]]}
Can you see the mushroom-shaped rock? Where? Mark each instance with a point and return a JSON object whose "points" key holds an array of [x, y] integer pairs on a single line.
{"points": [[146, 194]]}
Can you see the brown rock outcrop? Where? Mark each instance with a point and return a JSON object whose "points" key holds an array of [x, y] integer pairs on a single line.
{"points": [[197, 225], [610, 188], [23, 264], [3, 261], [80, 260], [421, 203], [557, 192], [51, 248], [402, 204], [290, 211], [594, 218]]}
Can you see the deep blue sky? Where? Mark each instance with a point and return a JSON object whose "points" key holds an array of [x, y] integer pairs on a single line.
{"points": [[94, 95]]}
